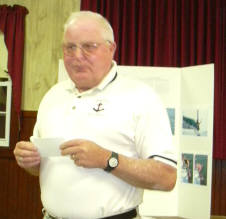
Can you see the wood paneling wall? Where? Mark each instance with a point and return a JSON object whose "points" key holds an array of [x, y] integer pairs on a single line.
{"points": [[218, 206], [20, 193], [43, 37]]}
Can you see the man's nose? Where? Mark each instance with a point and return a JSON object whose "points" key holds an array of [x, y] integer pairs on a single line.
{"points": [[79, 53]]}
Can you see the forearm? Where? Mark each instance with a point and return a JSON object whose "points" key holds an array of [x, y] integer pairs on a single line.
{"points": [[148, 173], [143, 173]]}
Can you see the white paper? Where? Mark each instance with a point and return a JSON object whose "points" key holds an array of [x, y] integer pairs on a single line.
{"points": [[48, 147]]}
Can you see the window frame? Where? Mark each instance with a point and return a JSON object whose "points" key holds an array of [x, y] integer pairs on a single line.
{"points": [[5, 142]]}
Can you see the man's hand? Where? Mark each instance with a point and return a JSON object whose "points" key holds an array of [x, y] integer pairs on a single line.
{"points": [[27, 156], [86, 153]]}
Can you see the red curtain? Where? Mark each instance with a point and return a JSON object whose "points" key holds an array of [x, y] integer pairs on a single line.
{"points": [[173, 33], [220, 82], [12, 24]]}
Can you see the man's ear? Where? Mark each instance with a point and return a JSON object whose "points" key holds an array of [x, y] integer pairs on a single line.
{"points": [[113, 47]]}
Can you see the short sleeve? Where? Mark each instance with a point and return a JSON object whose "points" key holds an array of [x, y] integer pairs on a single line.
{"points": [[153, 136]]}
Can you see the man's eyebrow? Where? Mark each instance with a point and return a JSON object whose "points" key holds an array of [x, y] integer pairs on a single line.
{"points": [[73, 44], [69, 44]]}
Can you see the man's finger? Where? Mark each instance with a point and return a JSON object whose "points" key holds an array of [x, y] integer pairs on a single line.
{"points": [[71, 143], [70, 150], [26, 146]]}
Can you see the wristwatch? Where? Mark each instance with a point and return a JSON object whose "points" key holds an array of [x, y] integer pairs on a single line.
{"points": [[112, 162]]}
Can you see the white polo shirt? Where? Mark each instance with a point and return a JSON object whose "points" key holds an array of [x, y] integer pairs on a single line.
{"points": [[120, 114]]}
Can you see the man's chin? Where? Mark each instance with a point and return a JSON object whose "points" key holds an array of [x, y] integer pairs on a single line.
{"points": [[77, 76], [82, 83]]}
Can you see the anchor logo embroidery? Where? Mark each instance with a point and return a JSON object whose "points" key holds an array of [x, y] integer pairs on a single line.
{"points": [[99, 107]]}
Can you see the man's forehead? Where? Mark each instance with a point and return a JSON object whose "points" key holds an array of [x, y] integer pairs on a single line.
{"points": [[84, 30], [86, 24]]}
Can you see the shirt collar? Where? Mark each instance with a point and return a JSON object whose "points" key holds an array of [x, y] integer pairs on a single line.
{"points": [[106, 80]]}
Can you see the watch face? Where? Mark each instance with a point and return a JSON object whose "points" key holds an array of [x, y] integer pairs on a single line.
{"points": [[113, 162]]}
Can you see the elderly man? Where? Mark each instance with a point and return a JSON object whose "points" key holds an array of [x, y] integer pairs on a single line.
{"points": [[116, 131]]}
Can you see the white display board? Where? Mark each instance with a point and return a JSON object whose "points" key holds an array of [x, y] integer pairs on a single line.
{"points": [[188, 97]]}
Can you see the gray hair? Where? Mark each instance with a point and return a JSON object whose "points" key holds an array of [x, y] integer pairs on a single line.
{"points": [[107, 30]]}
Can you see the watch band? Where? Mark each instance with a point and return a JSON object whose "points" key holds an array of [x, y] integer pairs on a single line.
{"points": [[112, 162]]}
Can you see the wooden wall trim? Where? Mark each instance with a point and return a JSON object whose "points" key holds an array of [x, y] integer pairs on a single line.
{"points": [[28, 119], [29, 114]]}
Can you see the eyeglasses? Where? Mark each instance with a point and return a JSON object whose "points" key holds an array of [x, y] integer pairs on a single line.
{"points": [[86, 48]]}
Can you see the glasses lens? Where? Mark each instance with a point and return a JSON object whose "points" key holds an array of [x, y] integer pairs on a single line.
{"points": [[86, 48], [89, 47], [69, 50]]}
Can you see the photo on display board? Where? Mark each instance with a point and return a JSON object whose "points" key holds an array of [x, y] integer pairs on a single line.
{"points": [[195, 122], [200, 169], [171, 114], [187, 168]]}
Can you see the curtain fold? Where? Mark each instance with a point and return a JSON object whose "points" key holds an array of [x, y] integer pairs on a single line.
{"points": [[220, 83], [12, 24], [175, 33]]}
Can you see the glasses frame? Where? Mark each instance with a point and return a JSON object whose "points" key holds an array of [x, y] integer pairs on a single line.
{"points": [[87, 48]]}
